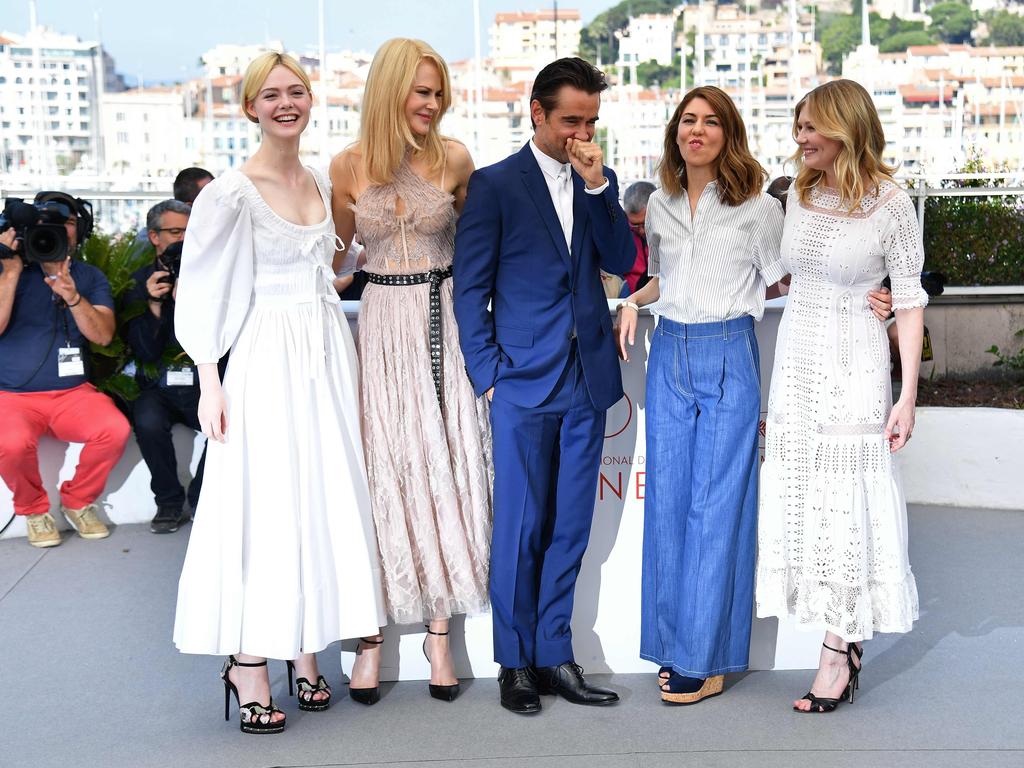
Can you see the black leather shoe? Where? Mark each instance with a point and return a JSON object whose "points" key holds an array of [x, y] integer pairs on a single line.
{"points": [[567, 681], [168, 518], [519, 690]]}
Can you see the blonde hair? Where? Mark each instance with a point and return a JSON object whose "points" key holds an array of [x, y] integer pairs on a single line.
{"points": [[257, 72], [384, 132], [842, 110], [739, 175]]}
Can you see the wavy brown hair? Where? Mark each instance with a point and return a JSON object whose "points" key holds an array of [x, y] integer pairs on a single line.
{"points": [[740, 177], [843, 111]]}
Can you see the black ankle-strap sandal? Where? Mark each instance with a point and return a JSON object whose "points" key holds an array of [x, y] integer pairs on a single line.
{"points": [[254, 717], [821, 704], [307, 691]]}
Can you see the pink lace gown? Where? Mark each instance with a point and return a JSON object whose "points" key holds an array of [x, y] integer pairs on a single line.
{"points": [[429, 466]]}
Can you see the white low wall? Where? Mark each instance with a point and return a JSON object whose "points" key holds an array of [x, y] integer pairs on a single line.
{"points": [[963, 457]]}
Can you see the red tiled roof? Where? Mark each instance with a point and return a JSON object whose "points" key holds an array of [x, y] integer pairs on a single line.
{"points": [[917, 94], [564, 14]]}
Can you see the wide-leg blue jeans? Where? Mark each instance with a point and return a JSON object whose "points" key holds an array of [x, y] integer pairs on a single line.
{"points": [[700, 510]]}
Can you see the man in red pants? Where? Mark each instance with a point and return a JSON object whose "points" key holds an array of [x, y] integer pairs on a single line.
{"points": [[49, 313]]}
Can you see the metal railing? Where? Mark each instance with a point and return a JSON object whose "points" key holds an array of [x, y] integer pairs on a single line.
{"points": [[119, 211]]}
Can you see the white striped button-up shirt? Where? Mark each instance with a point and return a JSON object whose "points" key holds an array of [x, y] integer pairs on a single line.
{"points": [[716, 264]]}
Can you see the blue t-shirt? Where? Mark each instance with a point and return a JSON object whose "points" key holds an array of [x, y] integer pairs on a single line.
{"points": [[40, 325]]}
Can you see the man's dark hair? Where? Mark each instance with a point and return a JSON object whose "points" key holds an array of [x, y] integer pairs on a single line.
{"points": [[186, 184], [573, 71], [779, 189]]}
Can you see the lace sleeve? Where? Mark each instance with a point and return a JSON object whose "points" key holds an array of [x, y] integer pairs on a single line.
{"points": [[904, 253]]}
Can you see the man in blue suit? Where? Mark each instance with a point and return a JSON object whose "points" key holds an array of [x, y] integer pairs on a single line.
{"points": [[536, 334]]}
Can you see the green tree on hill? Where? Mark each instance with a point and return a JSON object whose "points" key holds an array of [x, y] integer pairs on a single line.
{"points": [[903, 40], [1005, 28], [839, 34], [952, 22]]}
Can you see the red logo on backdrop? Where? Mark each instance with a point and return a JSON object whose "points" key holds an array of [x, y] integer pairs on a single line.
{"points": [[619, 417]]}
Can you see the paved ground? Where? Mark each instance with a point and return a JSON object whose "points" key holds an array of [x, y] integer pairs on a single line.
{"points": [[88, 677]]}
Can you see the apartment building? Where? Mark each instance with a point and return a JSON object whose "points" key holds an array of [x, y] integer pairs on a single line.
{"points": [[648, 37], [527, 40], [50, 92]]}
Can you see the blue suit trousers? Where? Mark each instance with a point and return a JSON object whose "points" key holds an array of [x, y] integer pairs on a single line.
{"points": [[546, 462]]}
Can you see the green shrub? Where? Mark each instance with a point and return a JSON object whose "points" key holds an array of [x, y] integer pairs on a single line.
{"points": [[975, 240], [117, 256], [1012, 360]]}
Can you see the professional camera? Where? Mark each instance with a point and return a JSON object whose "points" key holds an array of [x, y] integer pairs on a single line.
{"points": [[170, 261], [38, 228]]}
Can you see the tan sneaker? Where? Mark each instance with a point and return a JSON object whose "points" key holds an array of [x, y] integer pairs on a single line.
{"points": [[85, 522], [42, 531]]}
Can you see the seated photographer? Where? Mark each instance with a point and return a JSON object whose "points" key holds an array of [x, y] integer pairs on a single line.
{"points": [[167, 378], [51, 308]]}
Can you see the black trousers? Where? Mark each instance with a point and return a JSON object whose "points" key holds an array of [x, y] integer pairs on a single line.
{"points": [[154, 412]]}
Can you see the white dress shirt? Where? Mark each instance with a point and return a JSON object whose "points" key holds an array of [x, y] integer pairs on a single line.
{"points": [[558, 177], [716, 264]]}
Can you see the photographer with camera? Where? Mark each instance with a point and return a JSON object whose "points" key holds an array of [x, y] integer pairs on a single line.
{"points": [[51, 308], [170, 389]]}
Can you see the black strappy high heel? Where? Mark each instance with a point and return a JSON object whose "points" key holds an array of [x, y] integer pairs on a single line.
{"points": [[820, 705], [440, 692], [307, 691], [367, 696], [254, 717]]}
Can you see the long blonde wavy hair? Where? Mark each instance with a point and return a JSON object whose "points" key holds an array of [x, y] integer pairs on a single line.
{"points": [[384, 133], [739, 175], [843, 111]]}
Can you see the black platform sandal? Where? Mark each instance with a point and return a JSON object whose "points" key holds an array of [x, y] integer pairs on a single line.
{"points": [[440, 692], [307, 691], [819, 704], [255, 717], [367, 696]]}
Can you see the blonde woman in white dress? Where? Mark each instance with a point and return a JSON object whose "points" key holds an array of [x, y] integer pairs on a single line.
{"points": [[832, 528], [282, 559]]}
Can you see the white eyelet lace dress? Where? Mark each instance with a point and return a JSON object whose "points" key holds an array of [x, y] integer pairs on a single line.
{"points": [[832, 527], [282, 558]]}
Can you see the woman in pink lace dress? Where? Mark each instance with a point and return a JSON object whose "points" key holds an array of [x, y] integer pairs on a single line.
{"points": [[425, 433]]}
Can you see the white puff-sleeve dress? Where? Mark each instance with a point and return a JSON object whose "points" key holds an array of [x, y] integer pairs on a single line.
{"points": [[282, 558]]}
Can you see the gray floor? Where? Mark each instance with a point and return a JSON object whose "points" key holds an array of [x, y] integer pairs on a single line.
{"points": [[88, 677]]}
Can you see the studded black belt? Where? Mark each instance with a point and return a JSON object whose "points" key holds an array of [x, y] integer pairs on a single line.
{"points": [[435, 277]]}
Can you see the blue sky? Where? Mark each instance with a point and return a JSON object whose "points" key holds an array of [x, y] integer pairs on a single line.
{"points": [[162, 41]]}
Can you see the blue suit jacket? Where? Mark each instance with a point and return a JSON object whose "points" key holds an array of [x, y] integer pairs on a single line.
{"points": [[510, 253]]}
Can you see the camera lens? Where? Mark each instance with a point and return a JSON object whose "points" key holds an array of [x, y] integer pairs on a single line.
{"points": [[46, 243]]}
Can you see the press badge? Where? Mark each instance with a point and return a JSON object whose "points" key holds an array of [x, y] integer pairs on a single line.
{"points": [[179, 376], [69, 362]]}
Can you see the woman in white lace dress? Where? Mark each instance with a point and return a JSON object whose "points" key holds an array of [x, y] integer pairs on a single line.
{"points": [[426, 434], [282, 559], [832, 528]]}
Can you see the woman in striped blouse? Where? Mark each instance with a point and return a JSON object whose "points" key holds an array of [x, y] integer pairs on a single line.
{"points": [[714, 249]]}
